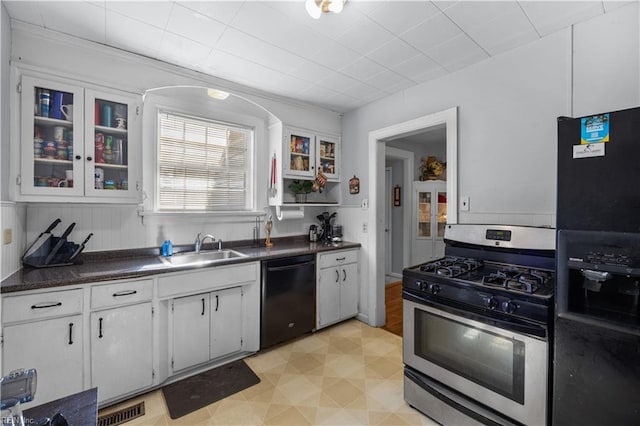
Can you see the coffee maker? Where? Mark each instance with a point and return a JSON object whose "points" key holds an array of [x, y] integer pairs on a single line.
{"points": [[326, 229]]}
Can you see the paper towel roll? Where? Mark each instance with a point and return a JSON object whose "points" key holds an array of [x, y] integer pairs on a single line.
{"points": [[289, 214]]}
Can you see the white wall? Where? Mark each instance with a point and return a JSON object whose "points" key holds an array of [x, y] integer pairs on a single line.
{"points": [[507, 109]]}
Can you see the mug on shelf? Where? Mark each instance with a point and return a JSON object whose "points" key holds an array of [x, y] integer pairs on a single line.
{"points": [[107, 115], [67, 111], [58, 133], [55, 105]]}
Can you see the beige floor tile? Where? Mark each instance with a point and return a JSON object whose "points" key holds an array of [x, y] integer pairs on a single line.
{"points": [[346, 374]]}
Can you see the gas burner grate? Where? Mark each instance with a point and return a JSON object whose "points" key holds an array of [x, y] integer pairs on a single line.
{"points": [[529, 281], [452, 266]]}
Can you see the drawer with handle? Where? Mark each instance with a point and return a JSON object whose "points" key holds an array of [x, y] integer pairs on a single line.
{"points": [[336, 258], [108, 295], [41, 305]]}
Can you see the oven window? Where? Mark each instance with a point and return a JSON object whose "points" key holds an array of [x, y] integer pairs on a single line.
{"points": [[491, 360]]}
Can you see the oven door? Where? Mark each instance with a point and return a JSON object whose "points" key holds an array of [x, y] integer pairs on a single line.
{"points": [[500, 369]]}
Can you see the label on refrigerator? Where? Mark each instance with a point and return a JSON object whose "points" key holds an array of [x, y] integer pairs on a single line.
{"points": [[588, 150], [594, 129]]}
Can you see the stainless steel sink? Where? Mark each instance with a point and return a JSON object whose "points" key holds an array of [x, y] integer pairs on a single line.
{"points": [[201, 258]]}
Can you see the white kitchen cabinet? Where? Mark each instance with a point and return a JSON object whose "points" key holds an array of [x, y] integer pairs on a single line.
{"points": [[338, 286], [121, 338], [226, 322], [429, 218], [307, 152], [88, 150], [206, 326], [191, 325], [45, 331]]}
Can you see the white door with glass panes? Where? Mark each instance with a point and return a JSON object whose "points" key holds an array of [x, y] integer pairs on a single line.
{"points": [[299, 153], [429, 218], [77, 142], [328, 155]]}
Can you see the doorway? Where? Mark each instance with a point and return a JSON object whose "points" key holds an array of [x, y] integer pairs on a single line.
{"points": [[377, 147]]}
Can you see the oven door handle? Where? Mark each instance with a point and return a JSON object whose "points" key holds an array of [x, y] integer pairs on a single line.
{"points": [[454, 308]]}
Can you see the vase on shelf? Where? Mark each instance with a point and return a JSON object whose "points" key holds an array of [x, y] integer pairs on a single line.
{"points": [[301, 198]]}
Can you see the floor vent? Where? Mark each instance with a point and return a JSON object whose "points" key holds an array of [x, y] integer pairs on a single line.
{"points": [[122, 416]]}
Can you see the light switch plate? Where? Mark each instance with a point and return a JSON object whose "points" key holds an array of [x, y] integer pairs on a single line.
{"points": [[464, 203]]}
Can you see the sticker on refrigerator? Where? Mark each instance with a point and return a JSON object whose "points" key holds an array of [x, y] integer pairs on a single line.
{"points": [[594, 129], [588, 150]]}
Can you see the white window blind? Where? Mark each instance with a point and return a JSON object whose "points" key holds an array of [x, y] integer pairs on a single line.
{"points": [[203, 165]]}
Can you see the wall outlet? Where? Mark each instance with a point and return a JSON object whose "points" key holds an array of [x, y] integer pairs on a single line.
{"points": [[365, 228], [464, 203], [7, 236], [365, 204]]}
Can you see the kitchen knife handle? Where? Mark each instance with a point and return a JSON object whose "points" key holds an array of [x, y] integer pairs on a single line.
{"points": [[71, 333], [48, 305], [99, 328]]}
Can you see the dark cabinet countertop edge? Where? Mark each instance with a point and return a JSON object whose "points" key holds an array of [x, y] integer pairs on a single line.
{"points": [[139, 263]]}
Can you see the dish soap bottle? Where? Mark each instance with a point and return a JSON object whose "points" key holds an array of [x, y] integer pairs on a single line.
{"points": [[167, 248]]}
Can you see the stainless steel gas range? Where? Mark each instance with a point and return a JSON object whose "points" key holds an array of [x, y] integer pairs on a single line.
{"points": [[476, 327]]}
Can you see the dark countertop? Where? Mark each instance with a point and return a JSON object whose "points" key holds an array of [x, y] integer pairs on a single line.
{"points": [[136, 263], [77, 409]]}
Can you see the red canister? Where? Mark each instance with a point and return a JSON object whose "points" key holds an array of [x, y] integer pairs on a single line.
{"points": [[99, 147]]}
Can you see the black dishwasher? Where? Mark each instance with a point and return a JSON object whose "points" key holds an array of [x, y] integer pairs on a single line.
{"points": [[288, 307]]}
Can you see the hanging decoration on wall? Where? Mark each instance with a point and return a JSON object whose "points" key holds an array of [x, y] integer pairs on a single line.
{"points": [[433, 169], [397, 197], [354, 185]]}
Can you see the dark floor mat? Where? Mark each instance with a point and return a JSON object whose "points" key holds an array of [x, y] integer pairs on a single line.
{"points": [[195, 392]]}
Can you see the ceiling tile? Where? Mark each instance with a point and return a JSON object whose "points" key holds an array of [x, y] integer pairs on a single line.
{"points": [[610, 5], [504, 33], [399, 16], [470, 15], [359, 91], [132, 35], [364, 36], [457, 53], [25, 11], [88, 22], [221, 11], [194, 25], [362, 69], [393, 52], [182, 51], [337, 81], [549, 17], [334, 55], [311, 71], [387, 80], [255, 50], [418, 68], [431, 33], [155, 13]]}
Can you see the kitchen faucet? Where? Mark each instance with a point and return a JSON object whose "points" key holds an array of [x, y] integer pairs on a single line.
{"points": [[198, 243]]}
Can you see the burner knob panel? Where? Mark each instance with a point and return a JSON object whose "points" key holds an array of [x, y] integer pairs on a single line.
{"points": [[434, 288], [509, 307], [491, 302]]}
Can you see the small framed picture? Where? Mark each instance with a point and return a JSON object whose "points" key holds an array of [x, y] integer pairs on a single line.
{"points": [[354, 185], [397, 196]]}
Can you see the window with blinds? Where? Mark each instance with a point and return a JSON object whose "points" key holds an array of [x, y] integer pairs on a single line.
{"points": [[203, 165]]}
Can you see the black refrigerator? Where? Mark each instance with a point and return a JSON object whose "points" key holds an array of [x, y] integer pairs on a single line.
{"points": [[596, 363]]}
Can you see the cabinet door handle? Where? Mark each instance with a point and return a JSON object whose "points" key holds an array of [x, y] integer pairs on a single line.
{"points": [[89, 158], [124, 293], [344, 275], [340, 259], [217, 302], [99, 328], [78, 157], [47, 305], [202, 306], [337, 276], [71, 333]]}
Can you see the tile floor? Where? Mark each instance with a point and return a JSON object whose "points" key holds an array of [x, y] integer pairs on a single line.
{"points": [[348, 374]]}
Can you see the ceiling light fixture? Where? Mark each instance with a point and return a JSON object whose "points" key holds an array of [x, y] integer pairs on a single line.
{"points": [[315, 8], [217, 94]]}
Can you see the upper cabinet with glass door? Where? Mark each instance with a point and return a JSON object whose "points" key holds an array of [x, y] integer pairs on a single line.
{"points": [[77, 142], [306, 153]]}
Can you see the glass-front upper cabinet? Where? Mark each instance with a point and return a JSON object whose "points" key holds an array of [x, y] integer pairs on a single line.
{"points": [[299, 154], [328, 154], [51, 144], [76, 142], [108, 132]]}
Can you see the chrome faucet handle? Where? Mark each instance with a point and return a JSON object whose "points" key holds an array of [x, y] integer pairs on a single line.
{"points": [[197, 244], [219, 244]]}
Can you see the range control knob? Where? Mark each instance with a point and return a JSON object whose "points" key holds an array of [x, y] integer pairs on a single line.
{"points": [[422, 286], [491, 302], [434, 288], [509, 307]]}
